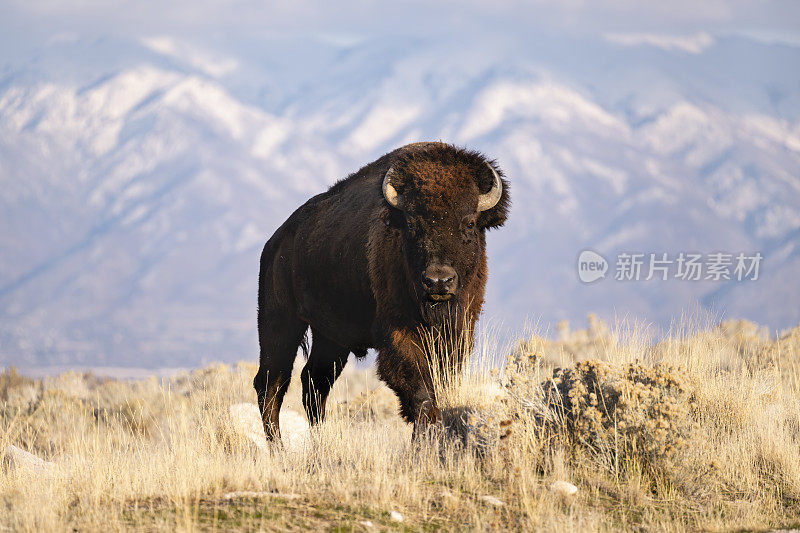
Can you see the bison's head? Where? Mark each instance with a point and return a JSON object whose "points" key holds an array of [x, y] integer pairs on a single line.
{"points": [[444, 199]]}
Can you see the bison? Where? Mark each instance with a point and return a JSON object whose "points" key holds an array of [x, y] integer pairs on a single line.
{"points": [[397, 247]]}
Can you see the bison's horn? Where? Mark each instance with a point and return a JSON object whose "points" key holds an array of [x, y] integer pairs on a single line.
{"points": [[389, 192], [490, 199]]}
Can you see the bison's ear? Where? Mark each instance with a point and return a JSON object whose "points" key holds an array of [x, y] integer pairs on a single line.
{"points": [[495, 216]]}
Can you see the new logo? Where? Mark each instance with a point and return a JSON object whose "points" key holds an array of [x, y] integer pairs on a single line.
{"points": [[591, 266]]}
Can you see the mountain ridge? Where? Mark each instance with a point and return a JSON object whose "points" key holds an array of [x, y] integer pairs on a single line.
{"points": [[140, 180]]}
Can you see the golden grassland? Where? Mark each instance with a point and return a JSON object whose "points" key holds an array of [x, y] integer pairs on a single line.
{"points": [[700, 431]]}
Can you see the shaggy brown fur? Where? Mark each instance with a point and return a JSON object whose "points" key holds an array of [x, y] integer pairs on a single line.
{"points": [[350, 267]]}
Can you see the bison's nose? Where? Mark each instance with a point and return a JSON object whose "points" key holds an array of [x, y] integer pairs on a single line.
{"points": [[440, 280]]}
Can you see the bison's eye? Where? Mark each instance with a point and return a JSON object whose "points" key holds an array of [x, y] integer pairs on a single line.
{"points": [[410, 225], [470, 224]]}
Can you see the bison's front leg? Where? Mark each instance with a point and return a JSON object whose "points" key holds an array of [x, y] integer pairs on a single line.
{"points": [[404, 368]]}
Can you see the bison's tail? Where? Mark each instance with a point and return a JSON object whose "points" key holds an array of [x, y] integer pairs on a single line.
{"points": [[304, 344]]}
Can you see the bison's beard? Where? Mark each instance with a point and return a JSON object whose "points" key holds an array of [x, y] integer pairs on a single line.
{"points": [[442, 314], [448, 321]]}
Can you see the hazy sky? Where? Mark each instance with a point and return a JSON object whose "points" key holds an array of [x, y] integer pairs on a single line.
{"points": [[25, 20]]}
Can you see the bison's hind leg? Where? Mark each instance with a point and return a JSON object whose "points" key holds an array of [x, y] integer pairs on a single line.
{"points": [[280, 334], [324, 366]]}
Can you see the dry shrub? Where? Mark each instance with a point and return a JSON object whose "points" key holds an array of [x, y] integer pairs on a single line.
{"points": [[571, 345], [16, 390], [620, 412], [637, 411], [784, 353], [478, 428]]}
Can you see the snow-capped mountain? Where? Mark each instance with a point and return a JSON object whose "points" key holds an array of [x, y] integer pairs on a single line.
{"points": [[139, 179]]}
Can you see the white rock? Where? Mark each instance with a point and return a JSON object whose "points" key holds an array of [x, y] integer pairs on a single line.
{"points": [[19, 460], [259, 494], [246, 420], [394, 516], [366, 523], [491, 500], [243, 494], [563, 488], [295, 430]]}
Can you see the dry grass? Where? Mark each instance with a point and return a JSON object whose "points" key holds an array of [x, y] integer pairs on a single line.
{"points": [[700, 431]]}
